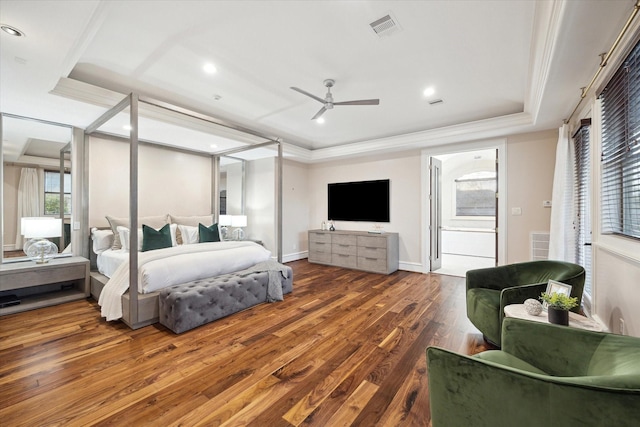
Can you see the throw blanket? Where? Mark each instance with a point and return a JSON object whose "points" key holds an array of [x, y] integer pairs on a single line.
{"points": [[180, 264], [276, 271]]}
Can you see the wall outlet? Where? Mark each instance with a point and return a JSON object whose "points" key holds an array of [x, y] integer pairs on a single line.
{"points": [[295, 247], [516, 211], [621, 326]]}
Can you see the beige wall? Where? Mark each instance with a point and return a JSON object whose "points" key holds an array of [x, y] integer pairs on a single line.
{"points": [[404, 172], [530, 165], [295, 211], [169, 181]]}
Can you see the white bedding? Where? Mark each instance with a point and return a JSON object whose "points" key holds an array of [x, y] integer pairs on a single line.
{"points": [[160, 268], [109, 260]]}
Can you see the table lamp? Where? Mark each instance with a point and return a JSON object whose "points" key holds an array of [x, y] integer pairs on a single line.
{"points": [[238, 221], [39, 249], [224, 221]]}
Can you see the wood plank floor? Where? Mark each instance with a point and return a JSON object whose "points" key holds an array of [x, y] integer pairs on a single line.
{"points": [[345, 348]]}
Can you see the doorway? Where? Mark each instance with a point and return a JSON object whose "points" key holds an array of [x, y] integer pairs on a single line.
{"points": [[463, 210]]}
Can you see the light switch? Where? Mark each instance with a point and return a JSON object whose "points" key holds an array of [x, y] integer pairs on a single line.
{"points": [[516, 211]]}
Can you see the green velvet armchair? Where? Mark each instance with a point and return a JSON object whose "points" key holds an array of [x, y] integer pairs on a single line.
{"points": [[489, 290], [545, 375]]}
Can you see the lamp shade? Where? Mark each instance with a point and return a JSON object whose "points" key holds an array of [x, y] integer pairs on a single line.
{"points": [[224, 220], [239, 221], [41, 227]]}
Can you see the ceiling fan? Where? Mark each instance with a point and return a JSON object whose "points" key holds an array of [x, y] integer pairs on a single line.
{"points": [[328, 99]]}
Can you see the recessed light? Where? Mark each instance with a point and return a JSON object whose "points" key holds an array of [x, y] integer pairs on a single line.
{"points": [[209, 68], [13, 31], [213, 146], [429, 91], [320, 120], [127, 127]]}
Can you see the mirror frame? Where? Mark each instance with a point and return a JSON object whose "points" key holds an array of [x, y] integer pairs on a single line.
{"points": [[74, 197]]}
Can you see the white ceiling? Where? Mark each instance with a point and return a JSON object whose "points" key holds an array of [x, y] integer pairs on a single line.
{"points": [[500, 67]]}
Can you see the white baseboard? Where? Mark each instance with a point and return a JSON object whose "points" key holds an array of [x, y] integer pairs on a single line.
{"points": [[9, 247], [295, 256], [411, 266]]}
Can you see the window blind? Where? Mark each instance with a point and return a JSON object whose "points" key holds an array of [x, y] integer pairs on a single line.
{"points": [[582, 201], [620, 158]]}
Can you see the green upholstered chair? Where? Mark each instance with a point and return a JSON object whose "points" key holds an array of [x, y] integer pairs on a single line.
{"points": [[489, 290], [544, 375]]}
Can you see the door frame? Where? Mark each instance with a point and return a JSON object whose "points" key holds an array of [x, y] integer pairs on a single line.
{"points": [[499, 144]]}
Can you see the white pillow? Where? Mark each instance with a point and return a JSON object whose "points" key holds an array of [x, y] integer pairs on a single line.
{"points": [[124, 236], [190, 235], [102, 240]]}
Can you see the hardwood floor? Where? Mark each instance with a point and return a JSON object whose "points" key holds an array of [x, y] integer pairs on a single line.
{"points": [[345, 348]]}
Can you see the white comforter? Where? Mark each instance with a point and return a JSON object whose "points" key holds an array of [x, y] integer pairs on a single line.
{"points": [[160, 268]]}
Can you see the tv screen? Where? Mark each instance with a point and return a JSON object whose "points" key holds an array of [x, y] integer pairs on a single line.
{"points": [[359, 201]]}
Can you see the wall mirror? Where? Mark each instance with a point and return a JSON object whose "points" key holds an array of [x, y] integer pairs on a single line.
{"points": [[36, 172]]}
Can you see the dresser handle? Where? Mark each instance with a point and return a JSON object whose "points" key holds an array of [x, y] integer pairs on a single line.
{"points": [[372, 259]]}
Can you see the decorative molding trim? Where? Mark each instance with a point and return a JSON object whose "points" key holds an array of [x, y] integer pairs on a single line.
{"points": [[472, 131], [295, 256], [414, 267], [547, 23]]}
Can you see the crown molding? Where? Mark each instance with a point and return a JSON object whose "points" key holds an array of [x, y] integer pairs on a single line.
{"points": [[481, 129]]}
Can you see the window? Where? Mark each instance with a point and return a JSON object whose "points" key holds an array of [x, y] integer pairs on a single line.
{"points": [[476, 194], [582, 202], [621, 149], [52, 193]]}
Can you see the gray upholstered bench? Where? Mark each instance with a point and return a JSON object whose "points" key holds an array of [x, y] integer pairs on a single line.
{"points": [[189, 305]]}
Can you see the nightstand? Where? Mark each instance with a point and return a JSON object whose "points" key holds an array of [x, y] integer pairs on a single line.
{"points": [[41, 285]]}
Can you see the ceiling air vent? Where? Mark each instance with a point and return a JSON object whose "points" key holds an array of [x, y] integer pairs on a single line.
{"points": [[385, 26]]}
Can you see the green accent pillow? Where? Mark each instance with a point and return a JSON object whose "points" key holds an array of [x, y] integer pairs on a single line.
{"points": [[156, 239], [208, 234]]}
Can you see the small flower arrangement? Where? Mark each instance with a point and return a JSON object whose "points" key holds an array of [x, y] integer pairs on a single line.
{"points": [[559, 301]]}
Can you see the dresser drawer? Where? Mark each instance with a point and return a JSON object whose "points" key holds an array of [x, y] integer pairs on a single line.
{"points": [[317, 236], [372, 264], [372, 241], [319, 247], [343, 249], [349, 261], [371, 252], [343, 239], [320, 257]]}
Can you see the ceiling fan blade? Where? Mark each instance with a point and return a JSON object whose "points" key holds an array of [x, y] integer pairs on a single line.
{"points": [[304, 92], [360, 102], [319, 113]]}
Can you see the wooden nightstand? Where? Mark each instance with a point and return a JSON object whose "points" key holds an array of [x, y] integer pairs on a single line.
{"points": [[41, 285]]}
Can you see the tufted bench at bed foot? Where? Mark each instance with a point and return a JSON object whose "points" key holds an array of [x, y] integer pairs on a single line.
{"points": [[184, 307]]}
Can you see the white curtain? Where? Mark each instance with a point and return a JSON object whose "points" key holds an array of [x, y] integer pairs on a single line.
{"points": [[29, 200], [562, 233]]}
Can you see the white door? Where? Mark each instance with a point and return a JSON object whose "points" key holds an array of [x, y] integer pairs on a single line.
{"points": [[435, 228]]}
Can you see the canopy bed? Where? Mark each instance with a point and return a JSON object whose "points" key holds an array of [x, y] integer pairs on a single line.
{"points": [[138, 278]]}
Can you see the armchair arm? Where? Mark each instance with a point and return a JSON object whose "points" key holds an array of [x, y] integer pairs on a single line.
{"points": [[466, 391], [558, 350]]}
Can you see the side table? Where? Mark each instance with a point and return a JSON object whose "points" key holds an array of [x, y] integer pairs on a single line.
{"points": [[575, 320]]}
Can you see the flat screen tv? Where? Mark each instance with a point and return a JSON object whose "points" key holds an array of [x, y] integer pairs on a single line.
{"points": [[359, 201]]}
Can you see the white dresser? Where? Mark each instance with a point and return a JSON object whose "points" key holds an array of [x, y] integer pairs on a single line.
{"points": [[377, 253]]}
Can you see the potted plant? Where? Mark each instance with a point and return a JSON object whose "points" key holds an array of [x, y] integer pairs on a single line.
{"points": [[558, 306]]}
